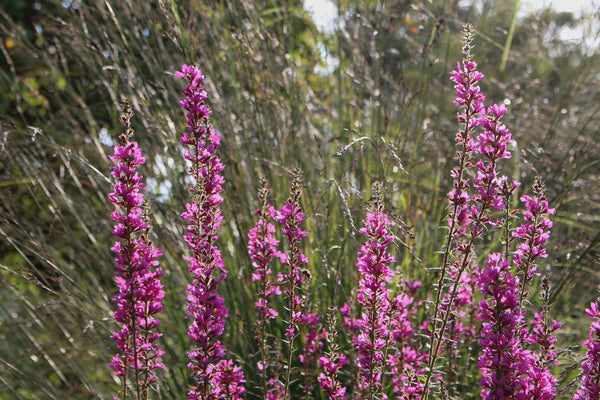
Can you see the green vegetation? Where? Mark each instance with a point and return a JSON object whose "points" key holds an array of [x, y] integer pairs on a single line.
{"points": [[369, 101]]}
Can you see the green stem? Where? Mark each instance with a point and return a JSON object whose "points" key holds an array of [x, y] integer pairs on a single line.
{"points": [[509, 37]]}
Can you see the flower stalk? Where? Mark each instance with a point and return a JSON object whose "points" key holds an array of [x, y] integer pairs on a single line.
{"points": [[213, 376], [138, 274], [373, 294], [291, 216]]}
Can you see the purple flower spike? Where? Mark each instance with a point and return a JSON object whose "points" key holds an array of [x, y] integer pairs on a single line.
{"points": [[590, 368], [328, 379], [262, 248], [291, 216], [214, 378], [534, 232], [373, 294], [138, 274], [504, 360]]}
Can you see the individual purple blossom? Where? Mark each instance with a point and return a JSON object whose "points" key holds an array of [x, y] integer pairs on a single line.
{"points": [[138, 274], [373, 294], [206, 308]]}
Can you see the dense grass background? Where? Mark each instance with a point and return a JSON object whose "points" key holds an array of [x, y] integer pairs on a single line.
{"points": [[367, 101]]}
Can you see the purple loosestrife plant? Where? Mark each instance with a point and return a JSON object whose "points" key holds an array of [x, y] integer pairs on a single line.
{"points": [[374, 296], [590, 367], [470, 212], [541, 383], [504, 360], [262, 248], [313, 335], [214, 377], [462, 210], [534, 233], [291, 217], [138, 274], [331, 363], [407, 363], [509, 369]]}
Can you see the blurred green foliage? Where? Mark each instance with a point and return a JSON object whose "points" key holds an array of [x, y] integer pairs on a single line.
{"points": [[368, 101]]}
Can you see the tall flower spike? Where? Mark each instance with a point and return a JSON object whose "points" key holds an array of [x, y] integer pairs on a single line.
{"points": [[469, 97], [406, 362], [206, 308], [262, 248], [138, 275], [291, 217], [332, 362], [504, 360], [534, 232], [590, 367], [373, 294]]}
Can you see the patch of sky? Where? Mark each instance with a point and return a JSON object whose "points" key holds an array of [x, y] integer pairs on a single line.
{"points": [[145, 32], [584, 11], [105, 138], [330, 63], [324, 13], [162, 165], [326, 17], [160, 190], [69, 4]]}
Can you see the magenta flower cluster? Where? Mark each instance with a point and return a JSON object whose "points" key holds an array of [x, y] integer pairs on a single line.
{"points": [[391, 355], [510, 369], [138, 274], [373, 294], [291, 216], [534, 232], [503, 362], [470, 97], [262, 248], [214, 377], [328, 379], [590, 367], [407, 363]]}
